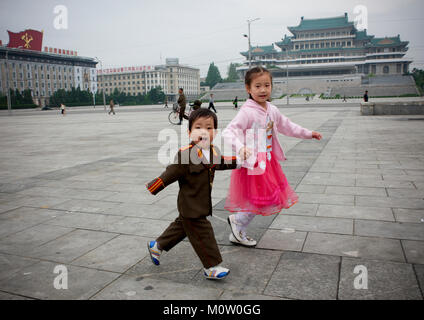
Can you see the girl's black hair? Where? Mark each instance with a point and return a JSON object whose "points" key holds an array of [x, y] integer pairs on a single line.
{"points": [[202, 113]]}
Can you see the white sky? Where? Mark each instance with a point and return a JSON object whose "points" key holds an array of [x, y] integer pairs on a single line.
{"points": [[198, 32]]}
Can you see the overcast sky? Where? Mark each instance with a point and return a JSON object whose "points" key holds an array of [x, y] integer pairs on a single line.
{"points": [[145, 32]]}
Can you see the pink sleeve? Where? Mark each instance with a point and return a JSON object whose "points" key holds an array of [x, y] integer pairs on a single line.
{"points": [[291, 129], [233, 134]]}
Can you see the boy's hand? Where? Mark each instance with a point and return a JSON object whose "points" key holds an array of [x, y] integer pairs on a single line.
{"points": [[316, 135], [245, 153]]}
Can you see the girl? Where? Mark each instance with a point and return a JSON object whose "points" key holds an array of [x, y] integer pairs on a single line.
{"points": [[260, 186]]}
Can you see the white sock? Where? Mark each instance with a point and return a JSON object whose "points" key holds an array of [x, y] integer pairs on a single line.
{"points": [[243, 219]]}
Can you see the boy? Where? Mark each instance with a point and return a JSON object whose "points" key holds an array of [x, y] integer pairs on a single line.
{"points": [[194, 168]]}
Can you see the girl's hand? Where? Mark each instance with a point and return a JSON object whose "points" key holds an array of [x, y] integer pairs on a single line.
{"points": [[316, 135], [245, 153]]}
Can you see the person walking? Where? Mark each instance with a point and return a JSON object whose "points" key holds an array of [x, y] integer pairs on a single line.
{"points": [[366, 96], [112, 106], [166, 102], [260, 186], [63, 109], [194, 168], [182, 103], [235, 102], [211, 101]]}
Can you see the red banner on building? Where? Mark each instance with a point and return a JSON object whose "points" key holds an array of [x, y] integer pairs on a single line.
{"points": [[28, 39]]}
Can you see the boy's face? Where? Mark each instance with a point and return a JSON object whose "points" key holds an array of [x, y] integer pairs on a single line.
{"points": [[202, 132]]}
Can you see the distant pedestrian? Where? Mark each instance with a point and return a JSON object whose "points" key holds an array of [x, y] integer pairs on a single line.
{"points": [[196, 104], [63, 109], [366, 96], [235, 102], [112, 106], [182, 103], [211, 105], [344, 98], [166, 102]]}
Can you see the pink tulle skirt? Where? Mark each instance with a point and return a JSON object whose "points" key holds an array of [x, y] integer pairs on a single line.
{"points": [[263, 194]]}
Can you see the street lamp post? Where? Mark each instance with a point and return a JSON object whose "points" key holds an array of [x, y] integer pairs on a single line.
{"points": [[9, 106], [103, 88], [248, 40], [287, 73]]}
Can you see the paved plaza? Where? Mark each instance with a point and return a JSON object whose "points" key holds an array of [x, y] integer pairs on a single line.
{"points": [[72, 193]]}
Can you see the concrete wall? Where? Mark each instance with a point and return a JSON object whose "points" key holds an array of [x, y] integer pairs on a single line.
{"points": [[392, 108]]}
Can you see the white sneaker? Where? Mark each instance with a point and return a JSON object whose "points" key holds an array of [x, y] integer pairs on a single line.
{"points": [[155, 253], [245, 240], [216, 273]]}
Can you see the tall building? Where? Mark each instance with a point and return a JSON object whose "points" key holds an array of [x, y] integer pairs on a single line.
{"points": [[331, 46], [43, 72], [141, 79]]}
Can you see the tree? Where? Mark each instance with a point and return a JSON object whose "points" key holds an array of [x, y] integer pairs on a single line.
{"points": [[156, 95], [232, 72], [419, 79], [213, 76]]}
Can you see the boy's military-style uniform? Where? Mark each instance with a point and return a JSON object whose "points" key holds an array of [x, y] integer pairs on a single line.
{"points": [[195, 177]]}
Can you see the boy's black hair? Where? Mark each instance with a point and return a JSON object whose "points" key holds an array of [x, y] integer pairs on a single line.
{"points": [[202, 113]]}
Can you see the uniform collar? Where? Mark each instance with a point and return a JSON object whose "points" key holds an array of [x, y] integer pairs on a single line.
{"points": [[201, 160]]}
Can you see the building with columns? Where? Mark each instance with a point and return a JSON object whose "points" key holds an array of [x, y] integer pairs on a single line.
{"points": [[141, 79], [45, 72], [329, 47]]}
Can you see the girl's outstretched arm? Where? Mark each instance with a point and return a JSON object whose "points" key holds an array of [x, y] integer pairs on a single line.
{"points": [[291, 129]]}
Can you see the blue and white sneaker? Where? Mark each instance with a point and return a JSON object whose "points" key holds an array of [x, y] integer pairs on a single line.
{"points": [[216, 273], [155, 253]]}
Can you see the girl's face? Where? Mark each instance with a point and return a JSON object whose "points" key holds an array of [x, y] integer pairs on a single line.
{"points": [[260, 88]]}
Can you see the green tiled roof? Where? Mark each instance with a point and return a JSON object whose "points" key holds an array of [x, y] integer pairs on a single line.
{"points": [[326, 49], [324, 23], [286, 41], [362, 35], [387, 42], [260, 50]]}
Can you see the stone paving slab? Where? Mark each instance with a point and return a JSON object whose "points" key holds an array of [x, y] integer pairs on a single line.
{"points": [[285, 239], [8, 296], [354, 246], [414, 251], [361, 194], [138, 227], [316, 224], [37, 281], [89, 221], [117, 255], [407, 215], [389, 202], [302, 209], [354, 212], [23, 242], [305, 276], [11, 264], [251, 270], [87, 206], [396, 230], [132, 288], [386, 281], [71, 246], [419, 271]]}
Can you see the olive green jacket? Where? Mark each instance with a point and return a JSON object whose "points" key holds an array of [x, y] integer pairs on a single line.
{"points": [[195, 177]]}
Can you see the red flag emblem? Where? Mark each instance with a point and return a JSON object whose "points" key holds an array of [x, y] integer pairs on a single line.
{"points": [[28, 39]]}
